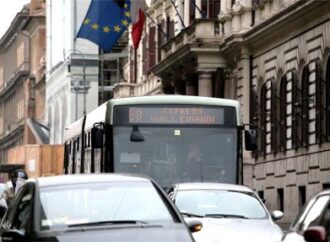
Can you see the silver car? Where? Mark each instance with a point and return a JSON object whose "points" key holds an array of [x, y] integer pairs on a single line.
{"points": [[227, 212], [94, 207], [312, 224]]}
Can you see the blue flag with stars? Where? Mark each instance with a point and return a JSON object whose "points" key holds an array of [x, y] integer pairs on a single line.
{"points": [[105, 22]]}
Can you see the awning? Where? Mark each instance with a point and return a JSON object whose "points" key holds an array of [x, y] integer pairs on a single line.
{"points": [[40, 131], [8, 168]]}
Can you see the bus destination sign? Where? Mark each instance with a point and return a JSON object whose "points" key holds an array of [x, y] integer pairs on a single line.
{"points": [[175, 115]]}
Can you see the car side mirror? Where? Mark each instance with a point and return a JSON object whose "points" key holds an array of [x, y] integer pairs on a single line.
{"points": [[315, 234], [194, 226], [276, 215], [13, 236]]}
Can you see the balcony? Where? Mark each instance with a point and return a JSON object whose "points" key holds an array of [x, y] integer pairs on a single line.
{"points": [[196, 47]]}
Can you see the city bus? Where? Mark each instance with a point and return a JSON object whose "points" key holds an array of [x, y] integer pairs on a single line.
{"points": [[170, 138]]}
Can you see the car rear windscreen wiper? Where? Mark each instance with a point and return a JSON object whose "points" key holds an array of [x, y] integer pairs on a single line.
{"points": [[191, 214], [220, 215], [109, 222]]}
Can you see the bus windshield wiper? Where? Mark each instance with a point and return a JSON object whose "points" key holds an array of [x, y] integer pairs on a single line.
{"points": [[191, 214], [108, 222], [220, 215]]}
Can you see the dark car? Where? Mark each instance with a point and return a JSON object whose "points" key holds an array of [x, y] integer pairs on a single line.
{"points": [[312, 224], [228, 212], [108, 207]]}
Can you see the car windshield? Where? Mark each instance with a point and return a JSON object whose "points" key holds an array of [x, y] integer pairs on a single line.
{"points": [[219, 203], [171, 154], [96, 203]]}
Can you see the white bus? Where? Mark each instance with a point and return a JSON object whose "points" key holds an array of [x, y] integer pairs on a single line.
{"points": [[170, 138]]}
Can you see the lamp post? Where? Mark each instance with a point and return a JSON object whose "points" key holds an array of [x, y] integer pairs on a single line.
{"points": [[77, 87]]}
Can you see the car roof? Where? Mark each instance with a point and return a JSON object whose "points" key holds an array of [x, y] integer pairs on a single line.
{"points": [[324, 192], [212, 186], [86, 178]]}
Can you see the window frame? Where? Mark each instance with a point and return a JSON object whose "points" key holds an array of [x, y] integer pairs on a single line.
{"points": [[13, 213]]}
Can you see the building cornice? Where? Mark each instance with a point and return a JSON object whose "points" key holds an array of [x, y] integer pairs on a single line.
{"points": [[275, 27], [14, 81], [12, 136], [17, 24]]}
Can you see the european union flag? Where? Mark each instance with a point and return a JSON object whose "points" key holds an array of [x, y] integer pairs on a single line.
{"points": [[105, 22]]}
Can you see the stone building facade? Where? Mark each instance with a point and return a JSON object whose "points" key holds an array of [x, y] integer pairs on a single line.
{"points": [[272, 56], [22, 94], [80, 75], [289, 92], [72, 67]]}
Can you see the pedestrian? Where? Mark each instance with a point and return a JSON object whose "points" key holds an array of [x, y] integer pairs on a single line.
{"points": [[17, 178]]}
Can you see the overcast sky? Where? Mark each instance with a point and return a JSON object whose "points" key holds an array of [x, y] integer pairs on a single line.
{"points": [[8, 11]]}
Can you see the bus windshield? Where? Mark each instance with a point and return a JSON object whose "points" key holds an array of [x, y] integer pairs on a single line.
{"points": [[171, 154]]}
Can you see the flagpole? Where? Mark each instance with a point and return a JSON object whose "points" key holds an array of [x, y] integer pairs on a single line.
{"points": [[161, 30], [177, 11], [199, 10]]}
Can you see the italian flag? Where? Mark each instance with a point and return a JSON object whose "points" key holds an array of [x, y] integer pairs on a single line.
{"points": [[138, 16]]}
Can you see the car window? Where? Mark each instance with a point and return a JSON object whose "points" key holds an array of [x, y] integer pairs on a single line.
{"points": [[23, 208], [62, 206], [297, 223], [325, 220], [204, 202], [313, 216]]}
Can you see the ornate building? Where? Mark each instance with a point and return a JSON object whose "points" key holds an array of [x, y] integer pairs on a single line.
{"points": [[272, 56], [22, 80]]}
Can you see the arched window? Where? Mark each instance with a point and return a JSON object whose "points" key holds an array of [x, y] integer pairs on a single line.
{"points": [[328, 99], [283, 113], [305, 107], [263, 119], [319, 103]]}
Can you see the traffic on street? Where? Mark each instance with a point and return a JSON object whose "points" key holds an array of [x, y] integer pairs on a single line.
{"points": [[165, 121]]}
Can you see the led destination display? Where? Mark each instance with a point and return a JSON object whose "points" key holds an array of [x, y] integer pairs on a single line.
{"points": [[173, 115]]}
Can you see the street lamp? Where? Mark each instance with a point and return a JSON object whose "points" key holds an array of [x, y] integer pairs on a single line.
{"points": [[77, 87]]}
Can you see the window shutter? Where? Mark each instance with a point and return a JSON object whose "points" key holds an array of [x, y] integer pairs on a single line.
{"points": [[192, 11], [263, 119], [145, 59], [171, 29], [282, 111], [295, 114], [253, 105], [318, 103], [304, 107], [160, 38], [328, 100], [152, 47], [132, 65], [273, 117], [254, 110], [214, 8]]}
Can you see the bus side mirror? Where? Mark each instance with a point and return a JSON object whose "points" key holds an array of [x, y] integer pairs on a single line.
{"points": [[97, 137], [250, 139]]}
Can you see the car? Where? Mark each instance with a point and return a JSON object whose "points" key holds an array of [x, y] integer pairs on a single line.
{"points": [[94, 207], [228, 212], [312, 224]]}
